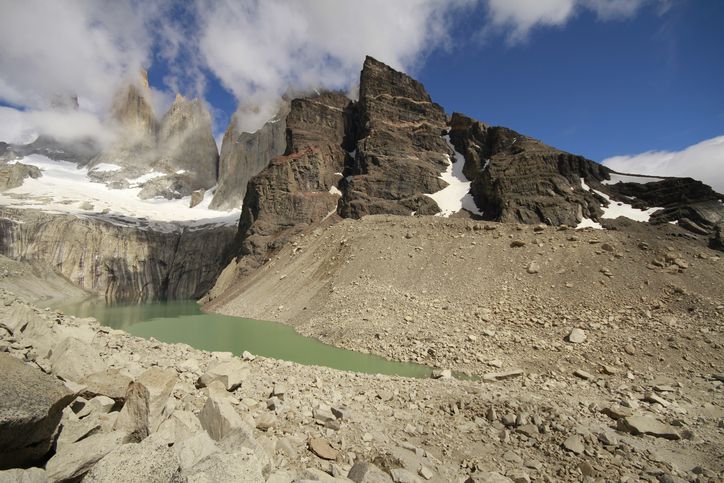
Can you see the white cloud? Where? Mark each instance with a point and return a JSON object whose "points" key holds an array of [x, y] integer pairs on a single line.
{"points": [[261, 48], [519, 17], [703, 161]]}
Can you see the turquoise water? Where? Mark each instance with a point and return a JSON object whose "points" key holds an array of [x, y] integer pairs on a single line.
{"points": [[183, 321]]}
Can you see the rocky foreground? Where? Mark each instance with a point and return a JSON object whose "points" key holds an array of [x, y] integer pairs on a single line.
{"points": [[83, 401]]}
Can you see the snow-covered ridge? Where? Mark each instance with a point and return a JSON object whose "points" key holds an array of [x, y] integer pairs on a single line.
{"points": [[456, 195], [66, 188]]}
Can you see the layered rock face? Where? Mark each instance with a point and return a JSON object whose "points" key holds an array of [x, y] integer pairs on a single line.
{"points": [[399, 150], [691, 203], [519, 179], [113, 258], [297, 189], [244, 155]]}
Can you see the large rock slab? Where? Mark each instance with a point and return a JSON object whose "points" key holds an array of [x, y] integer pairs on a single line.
{"points": [[110, 383], [75, 460], [73, 360], [160, 383], [647, 425], [31, 407], [150, 461], [220, 419], [194, 449], [134, 416], [231, 373]]}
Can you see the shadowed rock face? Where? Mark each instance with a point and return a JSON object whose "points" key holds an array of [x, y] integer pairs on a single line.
{"points": [[519, 179], [399, 149], [244, 155], [31, 405], [114, 258], [293, 192]]}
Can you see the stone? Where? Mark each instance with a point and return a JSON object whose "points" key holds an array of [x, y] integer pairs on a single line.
{"points": [[31, 407], [220, 419], [97, 405], [134, 418], [616, 411], [517, 244], [322, 449], [150, 461], [192, 450], [110, 383], [501, 376], [279, 390], [426, 472], [160, 383], [323, 413], [74, 460], [401, 475], [363, 472], [637, 425], [574, 444], [73, 430], [19, 475], [265, 421], [231, 373], [441, 374], [488, 477], [73, 360], [583, 374], [240, 466], [533, 267], [180, 426], [576, 336]]}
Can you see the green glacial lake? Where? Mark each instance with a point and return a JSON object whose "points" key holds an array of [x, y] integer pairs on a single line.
{"points": [[183, 321]]}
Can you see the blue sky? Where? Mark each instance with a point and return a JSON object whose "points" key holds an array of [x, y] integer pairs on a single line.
{"points": [[650, 82], [640, 80]]}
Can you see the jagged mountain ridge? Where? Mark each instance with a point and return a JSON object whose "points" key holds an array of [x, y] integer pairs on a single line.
{"points": [[389, 150]]}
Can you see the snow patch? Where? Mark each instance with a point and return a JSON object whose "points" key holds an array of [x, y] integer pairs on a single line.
{"points": [[66, 188], [335, 191], [105, 168], [627, 178], [456, 195], [614, 209], [144, 178], [589, 223]]}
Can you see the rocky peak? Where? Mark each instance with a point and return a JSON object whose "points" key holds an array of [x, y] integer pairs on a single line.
{"points": [[132, 108], [399, 152], [243, 155]]}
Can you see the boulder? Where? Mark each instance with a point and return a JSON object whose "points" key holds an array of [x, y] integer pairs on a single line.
{"points": [[194, 449], [150, 461], [576, 336], [647, 425], [237, 466], [231, 373], [363, 472], [322, 449], [73, 360], [160, 384], [110, 383], [180, 426], [18, 475], [31, 407], [74, 460], [220, 419], [134, 418]]}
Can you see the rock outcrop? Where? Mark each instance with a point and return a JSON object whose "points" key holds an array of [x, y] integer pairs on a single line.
{"points": [[244, 155], [31, 405], [519, 179], [298, 188], [399, 151], [115, 258], [13, 175], [186, 143]]}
